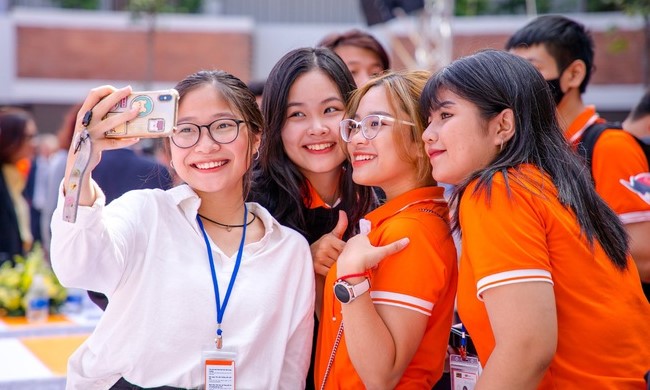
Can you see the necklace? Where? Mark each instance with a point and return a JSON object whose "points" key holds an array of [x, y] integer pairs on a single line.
{"points": [[229, 227]]}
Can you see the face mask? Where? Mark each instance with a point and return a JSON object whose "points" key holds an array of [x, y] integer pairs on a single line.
{"points": [[556, 90]]}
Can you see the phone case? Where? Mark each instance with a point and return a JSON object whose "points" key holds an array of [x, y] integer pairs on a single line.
{"points": [[157, 116]]}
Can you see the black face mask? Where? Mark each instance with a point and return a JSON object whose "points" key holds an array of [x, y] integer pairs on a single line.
{"points": [[556, 90]]}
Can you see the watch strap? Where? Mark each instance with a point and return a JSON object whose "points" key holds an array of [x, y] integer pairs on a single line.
{"points": [[360, 288]]}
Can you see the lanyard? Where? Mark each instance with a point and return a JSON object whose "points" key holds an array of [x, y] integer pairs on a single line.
{"points": [[579, 133], [221, 309], [83, 149], [463, 342]]}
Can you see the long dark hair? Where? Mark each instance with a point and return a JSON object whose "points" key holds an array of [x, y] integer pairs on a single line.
{"points": [[278, 184], [239, 97], [494, 81]]}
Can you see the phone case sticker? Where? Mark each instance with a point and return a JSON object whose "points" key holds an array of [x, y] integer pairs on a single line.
{"points": [[156, 125], [144, 103]]}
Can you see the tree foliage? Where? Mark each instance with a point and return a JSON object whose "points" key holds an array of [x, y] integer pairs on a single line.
{"points": [[144, 6], [515, 7]]}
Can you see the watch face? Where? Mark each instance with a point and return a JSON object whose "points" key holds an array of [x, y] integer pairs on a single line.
{"points": [[342, 293]]}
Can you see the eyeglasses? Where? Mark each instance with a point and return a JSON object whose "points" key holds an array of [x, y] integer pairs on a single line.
{"points": [[369, 126], [222, 131]]}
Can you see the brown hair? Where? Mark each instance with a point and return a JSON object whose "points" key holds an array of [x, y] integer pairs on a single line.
{"points": [[357, 38], [66, 130], [13, 134]]}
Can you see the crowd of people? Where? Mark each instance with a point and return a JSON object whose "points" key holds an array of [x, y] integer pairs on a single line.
{"points": [[306, 242]]}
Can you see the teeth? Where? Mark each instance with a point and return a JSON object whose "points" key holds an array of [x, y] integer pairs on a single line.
{"points": [[319, 146], [363, 157], [209, 165]]}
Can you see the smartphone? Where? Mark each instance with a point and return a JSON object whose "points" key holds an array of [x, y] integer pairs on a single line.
{"points": [[157, 117]]}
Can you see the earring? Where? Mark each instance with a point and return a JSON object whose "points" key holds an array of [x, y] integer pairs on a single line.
{"points": [[171, 164], [257, 155], [501, 146]]}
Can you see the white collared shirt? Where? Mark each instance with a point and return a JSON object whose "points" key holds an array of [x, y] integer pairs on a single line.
{"points": [[146, 252]]}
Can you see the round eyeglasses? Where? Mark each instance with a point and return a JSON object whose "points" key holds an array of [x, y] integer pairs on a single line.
{"points": [[369, 126], [222, 131]]}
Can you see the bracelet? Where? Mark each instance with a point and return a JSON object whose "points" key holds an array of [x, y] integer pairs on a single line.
{"points": [[344, 277]]}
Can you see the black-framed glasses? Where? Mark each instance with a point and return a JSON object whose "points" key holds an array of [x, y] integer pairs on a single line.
{"points": [[369, 126], [222, 131]]}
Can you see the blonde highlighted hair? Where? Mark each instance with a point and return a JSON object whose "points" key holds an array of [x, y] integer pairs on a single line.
{"points": [[403, 89]]}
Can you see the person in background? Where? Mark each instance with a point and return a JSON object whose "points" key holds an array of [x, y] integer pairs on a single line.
{"points": [[17, 132], [55, 173], [126, 169], [637, 122], [160, 152], [302, 175], [544, 266], [123, 170], [362, 53], [393, 332], [257, 87], [562, 50], [191, 268], [35, 188]]}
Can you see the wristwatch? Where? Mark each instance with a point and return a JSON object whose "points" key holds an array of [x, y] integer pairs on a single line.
{"points": [[346, 293]]}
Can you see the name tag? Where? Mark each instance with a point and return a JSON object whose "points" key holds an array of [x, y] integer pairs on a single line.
{"points": [[464, 371], [219, 369]]}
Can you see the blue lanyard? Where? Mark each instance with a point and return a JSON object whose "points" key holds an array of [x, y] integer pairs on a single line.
{"points": [[221, 309], [463, 342]]}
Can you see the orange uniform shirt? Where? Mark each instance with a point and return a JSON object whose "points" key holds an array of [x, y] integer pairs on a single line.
{"points": [[603, 316], [315, 201], [422, 277], [616, 158]]}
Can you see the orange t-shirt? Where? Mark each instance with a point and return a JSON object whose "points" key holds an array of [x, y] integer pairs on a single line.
{"points": [[528, 235], [315, 201], [616, 158], [422, 277]]}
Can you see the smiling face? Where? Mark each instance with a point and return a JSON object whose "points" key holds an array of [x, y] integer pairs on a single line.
{"points": [[458, 141], [363, 63], [209, 167], [377, 162], [310, 132]]}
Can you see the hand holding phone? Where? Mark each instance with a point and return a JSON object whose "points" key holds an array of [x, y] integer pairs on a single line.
{"points": [[157, 117]]}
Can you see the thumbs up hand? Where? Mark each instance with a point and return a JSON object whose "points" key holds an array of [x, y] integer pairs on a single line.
{"points": [[327, 249]]}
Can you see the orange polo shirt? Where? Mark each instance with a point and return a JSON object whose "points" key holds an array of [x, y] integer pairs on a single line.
{"points": [[616, 158], [528, 235], [422, 277], [316, 200]]}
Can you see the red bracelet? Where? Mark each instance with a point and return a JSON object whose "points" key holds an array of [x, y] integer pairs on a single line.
{"points": [[344, 277]]}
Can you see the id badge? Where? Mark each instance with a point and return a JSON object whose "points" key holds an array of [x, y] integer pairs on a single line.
{"points": [[218, 368], [464, 372]]}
